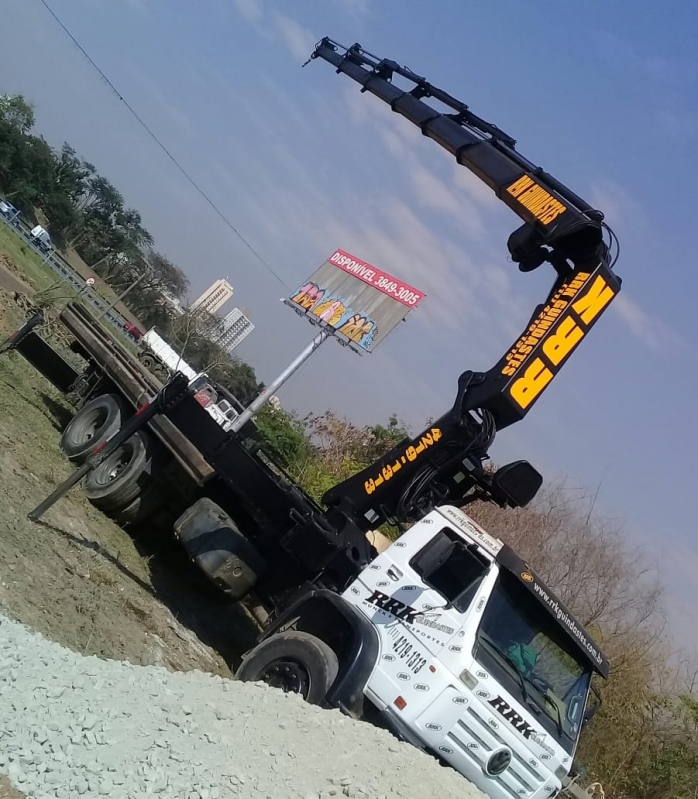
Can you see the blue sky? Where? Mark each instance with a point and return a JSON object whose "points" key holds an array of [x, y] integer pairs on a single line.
{"points": [[602, 95]]}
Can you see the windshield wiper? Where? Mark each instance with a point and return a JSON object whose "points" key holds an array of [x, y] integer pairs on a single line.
{"points": [[510, 660], [558, 720]]}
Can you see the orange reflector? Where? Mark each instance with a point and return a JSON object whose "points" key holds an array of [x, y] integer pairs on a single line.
{"points": [[400, 703], [432, 669]]}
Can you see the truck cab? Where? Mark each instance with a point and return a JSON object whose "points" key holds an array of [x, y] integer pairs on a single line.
{"points": [[448, 639], [479, 663]]}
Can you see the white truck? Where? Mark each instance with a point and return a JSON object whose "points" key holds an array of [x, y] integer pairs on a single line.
{"points": [[466, 654], [157, 355], [447, 637]]}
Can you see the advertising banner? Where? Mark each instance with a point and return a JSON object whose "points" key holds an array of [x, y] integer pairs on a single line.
{"points": [[361, 303]]}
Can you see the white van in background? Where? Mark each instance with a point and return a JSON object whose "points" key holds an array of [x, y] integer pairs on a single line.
{"points": [[41, 238]]}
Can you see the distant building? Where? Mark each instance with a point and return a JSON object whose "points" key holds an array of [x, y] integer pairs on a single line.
{"points": [[215, 297], [235, 327]]}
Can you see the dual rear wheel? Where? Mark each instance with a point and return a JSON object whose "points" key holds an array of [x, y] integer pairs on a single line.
{"points": [[121, 485]]}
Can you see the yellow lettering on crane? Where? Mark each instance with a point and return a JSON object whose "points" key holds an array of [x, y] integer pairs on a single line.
{"points": [[409, 455], [560, 343], [590, 304], [526, 388], [535, 199]]}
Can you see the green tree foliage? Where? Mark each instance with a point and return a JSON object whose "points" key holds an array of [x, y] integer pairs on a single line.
{"points": [[85, 211], [193, 335], [284, 435], [16, 111], [159, 282], [338, 449]]}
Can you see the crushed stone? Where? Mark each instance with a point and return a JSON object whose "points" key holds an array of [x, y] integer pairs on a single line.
{"points": [[75, 727]]}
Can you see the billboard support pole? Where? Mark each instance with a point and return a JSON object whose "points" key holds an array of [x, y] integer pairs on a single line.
{"points": [[275, 384]]}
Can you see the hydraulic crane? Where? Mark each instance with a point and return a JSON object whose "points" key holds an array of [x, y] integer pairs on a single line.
{"points": [[445, 463]]}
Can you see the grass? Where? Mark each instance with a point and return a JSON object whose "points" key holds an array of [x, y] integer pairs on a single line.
{"points": [[41, 276]]}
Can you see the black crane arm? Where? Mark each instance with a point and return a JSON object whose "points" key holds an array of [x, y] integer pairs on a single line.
{"points": [[554, 216], [445, 463]]}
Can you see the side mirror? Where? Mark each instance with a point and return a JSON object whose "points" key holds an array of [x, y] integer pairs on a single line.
{"points": [[593, 706], [515, 484]]}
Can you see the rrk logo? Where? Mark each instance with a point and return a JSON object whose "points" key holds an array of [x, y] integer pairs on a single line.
{"points": [[512, 716], [393, 606]]}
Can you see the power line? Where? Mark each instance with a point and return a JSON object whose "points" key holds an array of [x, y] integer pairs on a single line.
{"points": [[161, 145]]}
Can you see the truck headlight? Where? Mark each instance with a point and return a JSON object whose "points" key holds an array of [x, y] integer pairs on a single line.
{"points": [[498, 763]]}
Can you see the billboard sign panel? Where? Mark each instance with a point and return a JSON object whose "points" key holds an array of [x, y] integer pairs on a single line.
{"points": [[359, 302]]}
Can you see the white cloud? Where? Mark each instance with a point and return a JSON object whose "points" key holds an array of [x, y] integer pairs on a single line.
{"points": [[251, 10], [654, 333], [479, 191], [298, 39], [141, 6], [397, 229], [622, 210], [618, 205]]}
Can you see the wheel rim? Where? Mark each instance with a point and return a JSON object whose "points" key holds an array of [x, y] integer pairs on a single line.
{"points": [[93, 423], [114, 465], [117, 468], [288, 675]]}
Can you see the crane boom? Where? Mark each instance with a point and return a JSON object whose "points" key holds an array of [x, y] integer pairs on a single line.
{"points": [[553, 214], [444, 463]]}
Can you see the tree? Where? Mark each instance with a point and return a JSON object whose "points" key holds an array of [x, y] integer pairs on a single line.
{"points": [[339, 449], [161, 282], [614, 593], [285, 436], [103, 227], [17, 111]]}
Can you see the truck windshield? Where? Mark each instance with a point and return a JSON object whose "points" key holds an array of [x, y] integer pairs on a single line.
{"points": [[523, 647]]}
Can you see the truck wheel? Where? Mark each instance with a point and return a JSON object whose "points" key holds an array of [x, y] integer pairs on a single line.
{"points": [[148, 361], [297, 663], [98, 419], [143, 507], [121, 476]]}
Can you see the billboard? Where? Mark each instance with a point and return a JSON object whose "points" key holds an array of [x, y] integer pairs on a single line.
{"points": [[359, 302]]}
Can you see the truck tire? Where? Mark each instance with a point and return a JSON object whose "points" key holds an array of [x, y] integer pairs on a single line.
{"points": [[143, 507], [121, 476], [98, 419], [148, 361], [295, 662]]}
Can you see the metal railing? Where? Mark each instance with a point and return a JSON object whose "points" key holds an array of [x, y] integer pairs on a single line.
{"points": [[66, 273]]}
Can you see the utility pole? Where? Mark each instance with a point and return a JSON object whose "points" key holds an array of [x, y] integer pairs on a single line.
{"points": [[268, 392]]}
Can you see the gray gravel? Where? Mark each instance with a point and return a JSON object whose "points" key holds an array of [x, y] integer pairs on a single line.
{"points": [[81, 727]]}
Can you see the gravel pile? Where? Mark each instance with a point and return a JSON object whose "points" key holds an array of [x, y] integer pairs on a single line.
{"points": [[73, 726]]}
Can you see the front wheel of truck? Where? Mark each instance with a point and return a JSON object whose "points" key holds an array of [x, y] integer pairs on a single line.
{"points": [[295, 662]]}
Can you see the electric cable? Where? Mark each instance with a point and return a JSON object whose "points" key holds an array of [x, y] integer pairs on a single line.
{"points": [[161, 145]]}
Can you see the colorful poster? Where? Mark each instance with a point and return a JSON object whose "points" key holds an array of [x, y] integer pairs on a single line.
{"points": [[360, 302]]}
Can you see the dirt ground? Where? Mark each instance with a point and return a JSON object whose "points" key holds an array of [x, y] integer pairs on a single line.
{"points": [[75, 576]]}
